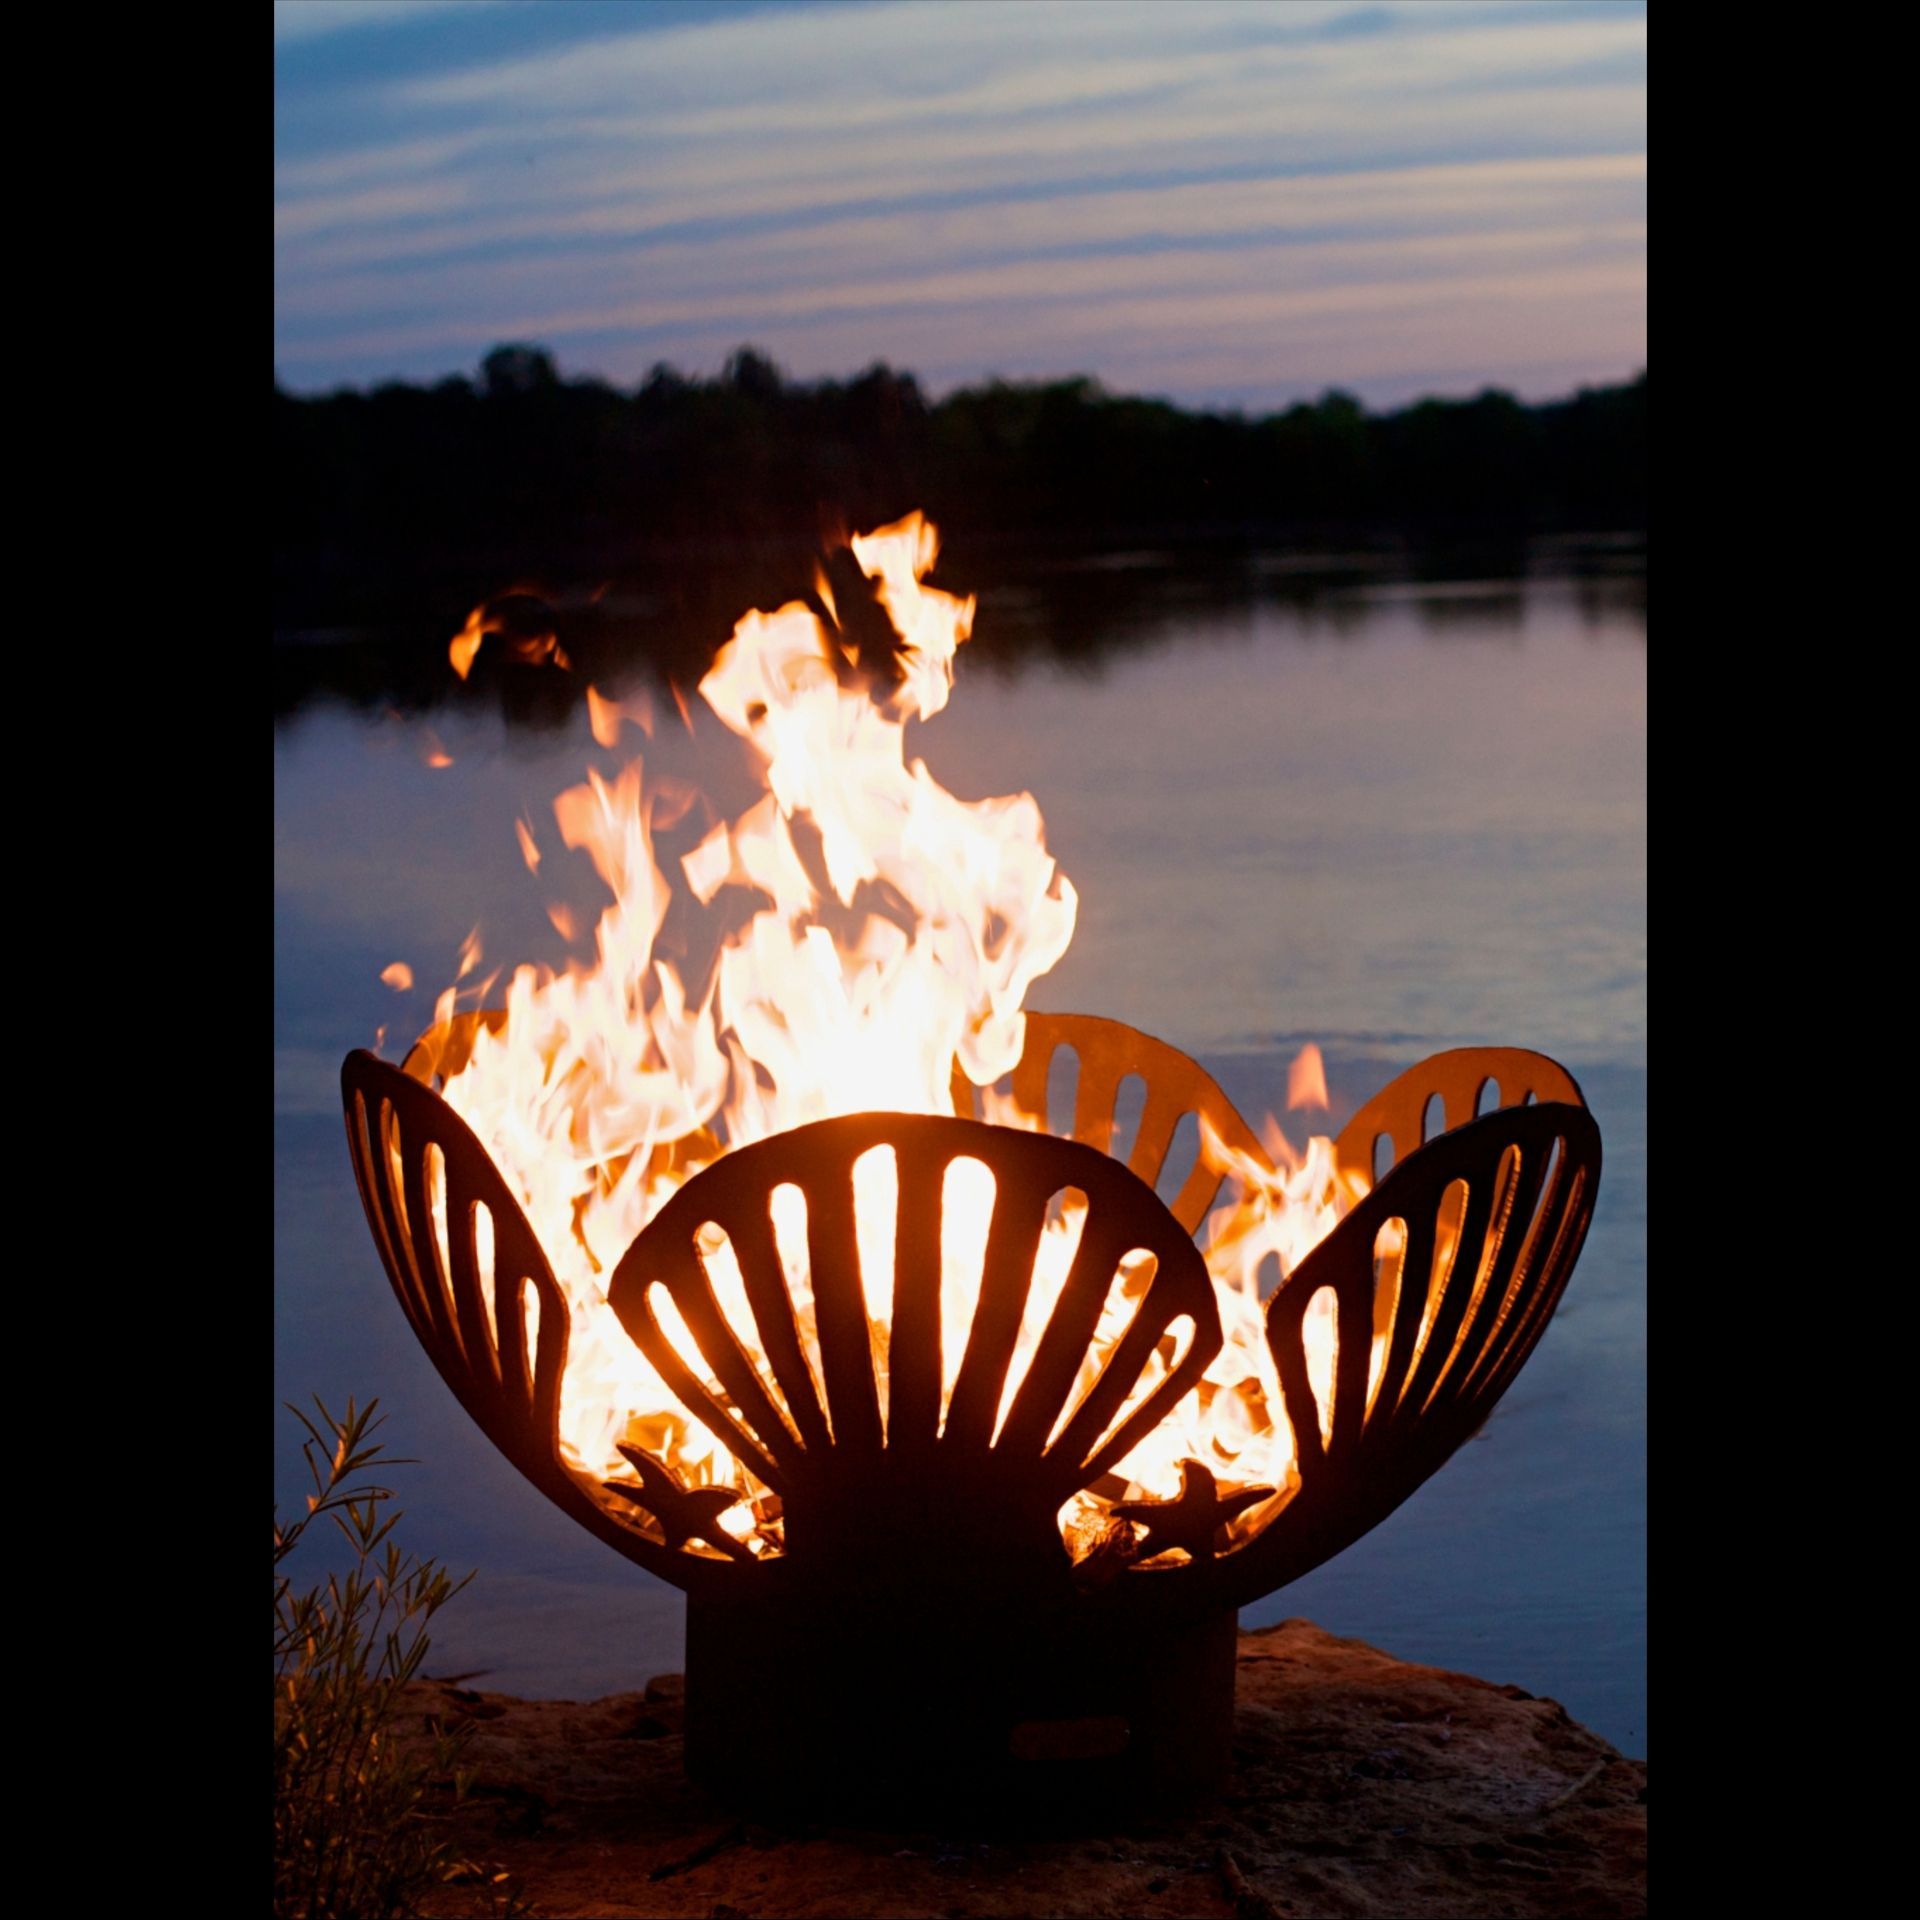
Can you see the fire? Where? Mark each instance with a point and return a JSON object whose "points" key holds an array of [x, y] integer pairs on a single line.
{"points": [[894, 928], [1307, 1080]]}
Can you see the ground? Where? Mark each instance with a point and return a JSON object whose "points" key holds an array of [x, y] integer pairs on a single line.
{"points": [[1362, 1786]]}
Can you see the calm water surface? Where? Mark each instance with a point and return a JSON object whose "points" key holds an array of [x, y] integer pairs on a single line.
{"points": [[1397, 819]]}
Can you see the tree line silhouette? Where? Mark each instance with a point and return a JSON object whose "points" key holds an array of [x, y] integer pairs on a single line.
{"points": [[401, 502]]}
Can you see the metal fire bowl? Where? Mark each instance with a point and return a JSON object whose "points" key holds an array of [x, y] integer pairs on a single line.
{"points": [[924, 1631]]}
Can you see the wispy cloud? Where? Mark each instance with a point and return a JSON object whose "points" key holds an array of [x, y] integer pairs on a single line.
{"points": [[295, 20], [1036, 188]]}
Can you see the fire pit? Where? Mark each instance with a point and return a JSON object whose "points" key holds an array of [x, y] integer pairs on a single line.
{"points": [[962, 1449]]}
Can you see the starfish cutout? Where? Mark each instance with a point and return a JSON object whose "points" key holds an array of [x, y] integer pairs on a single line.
{"points": [[682, 1515], [1193, 1519]]}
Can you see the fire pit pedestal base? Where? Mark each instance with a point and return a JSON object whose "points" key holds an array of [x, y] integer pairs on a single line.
{"points": [[889, 1710]]}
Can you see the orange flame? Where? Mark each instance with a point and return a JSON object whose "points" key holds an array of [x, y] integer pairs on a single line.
{"points": [[465, 644], [525, 632], [606, 717], [529, 852], [894, 929], [1307, 1080]]}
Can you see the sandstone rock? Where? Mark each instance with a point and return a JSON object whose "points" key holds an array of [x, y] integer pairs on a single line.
{"points": [[1362, 1786]]}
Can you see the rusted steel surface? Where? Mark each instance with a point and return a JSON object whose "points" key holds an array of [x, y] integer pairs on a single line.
{"points": [[1443, 1277]]}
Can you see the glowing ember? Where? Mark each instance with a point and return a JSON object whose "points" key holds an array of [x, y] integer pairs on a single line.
{"points": [[897, 929]]}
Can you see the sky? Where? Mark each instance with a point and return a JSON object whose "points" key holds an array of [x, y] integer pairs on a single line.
{"points": [[1227, 202]]}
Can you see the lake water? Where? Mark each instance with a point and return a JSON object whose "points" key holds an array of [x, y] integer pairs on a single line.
{"points": [[1384, 814]]}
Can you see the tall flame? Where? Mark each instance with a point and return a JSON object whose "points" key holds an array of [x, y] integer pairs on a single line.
{"points": [[896, 929]]}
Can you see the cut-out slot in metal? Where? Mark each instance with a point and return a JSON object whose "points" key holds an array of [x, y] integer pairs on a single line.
{"points": [[914, 1342]]}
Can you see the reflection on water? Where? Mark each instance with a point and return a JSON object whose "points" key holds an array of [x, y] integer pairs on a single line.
{"points": [[1079, 611], [1385, 812]]}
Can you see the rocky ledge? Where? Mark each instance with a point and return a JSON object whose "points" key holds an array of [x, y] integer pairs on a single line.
{"points": [[1362, 1785]]}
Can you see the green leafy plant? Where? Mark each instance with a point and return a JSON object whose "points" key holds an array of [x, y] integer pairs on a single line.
{"points": [[356, 1809]]}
